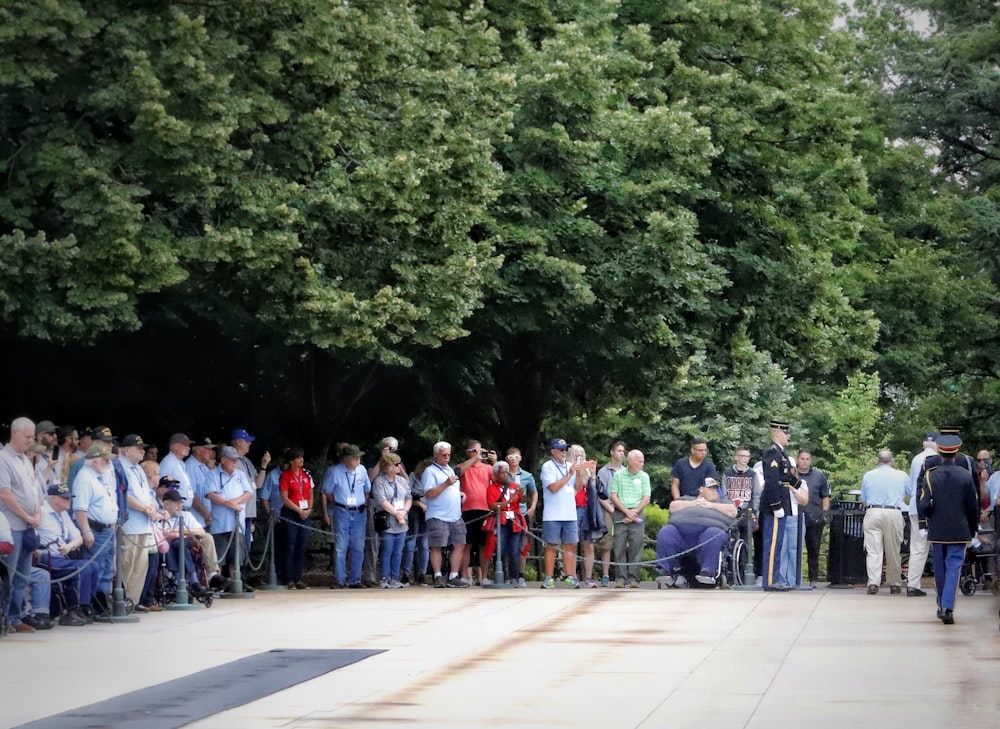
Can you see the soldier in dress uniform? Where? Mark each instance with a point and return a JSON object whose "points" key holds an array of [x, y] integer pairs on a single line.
{"points": [[948, 510], [775, 504], [961, 460]]}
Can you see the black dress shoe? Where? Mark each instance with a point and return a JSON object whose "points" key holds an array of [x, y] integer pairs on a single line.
{"points": [[247, 588], [41, 622], [777, 587], [895, 589], [940, 614], [915, 592], [948, 618]]}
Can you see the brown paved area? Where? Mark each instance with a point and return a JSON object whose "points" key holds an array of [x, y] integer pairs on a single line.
{"points": [[574, 658]]}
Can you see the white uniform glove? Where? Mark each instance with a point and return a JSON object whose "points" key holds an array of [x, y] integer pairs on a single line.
{"points": [[779, 514], [923, 533]]}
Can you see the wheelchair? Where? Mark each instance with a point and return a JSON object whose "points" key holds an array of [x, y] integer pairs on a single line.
{"points": [[165, 583], [979, 570], [732, 558]]}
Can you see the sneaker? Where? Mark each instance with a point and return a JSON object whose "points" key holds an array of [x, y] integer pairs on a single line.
{"points": [[395, 584], [633, 583], [680, 581], [872, 589], [548, 583], [590, 583], [605, 581], [571, 582], [521, 582], [620, 582], [665, 581], [384, 585], [457, 582], [486, 582], [41, 621], [72, 618], [440, 581], [466, 582], [705, 578]]}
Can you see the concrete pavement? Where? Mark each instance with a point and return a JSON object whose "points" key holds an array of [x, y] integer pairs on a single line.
{"points": [[604, 657]]}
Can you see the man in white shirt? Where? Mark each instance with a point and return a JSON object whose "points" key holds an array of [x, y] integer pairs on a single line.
{"points": [[559, 524], [918, 541]]}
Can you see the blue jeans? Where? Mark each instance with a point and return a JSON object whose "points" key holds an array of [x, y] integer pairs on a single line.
{"points": [[416, 544], [105, 561], [19, 568], [773, 537], [348, 536], [948, 559], [511, 544], [41, 591], [790, 552], [390, 554]]}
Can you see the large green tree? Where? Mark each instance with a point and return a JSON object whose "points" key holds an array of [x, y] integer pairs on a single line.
{"points": [[303, 171], [677, 175]]}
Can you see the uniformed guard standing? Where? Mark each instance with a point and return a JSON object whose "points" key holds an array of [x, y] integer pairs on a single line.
{"points": [[775, 503], [961, 459], [948, 509]]}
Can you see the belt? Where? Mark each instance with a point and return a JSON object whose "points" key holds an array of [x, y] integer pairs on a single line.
{"points": [[876, 506], [348, 508], [98, 526]]}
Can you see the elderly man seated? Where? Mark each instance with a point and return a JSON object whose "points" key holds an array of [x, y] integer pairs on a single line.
{"points": [[699, 523]]}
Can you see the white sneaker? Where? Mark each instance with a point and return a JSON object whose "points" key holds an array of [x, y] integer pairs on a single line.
{"points": [[486, 581], [521, 582], [395, 584], [384, 584]]}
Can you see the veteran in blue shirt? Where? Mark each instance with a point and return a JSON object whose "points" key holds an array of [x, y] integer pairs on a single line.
{"points": [[345, 492], [883, 490]]}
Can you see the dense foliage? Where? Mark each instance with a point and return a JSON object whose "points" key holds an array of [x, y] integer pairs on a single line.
{"points": [[513, 218]]}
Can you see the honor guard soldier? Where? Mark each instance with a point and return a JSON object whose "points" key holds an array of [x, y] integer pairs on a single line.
{"points": [[961, 460], [948, 510], [775, 503]]}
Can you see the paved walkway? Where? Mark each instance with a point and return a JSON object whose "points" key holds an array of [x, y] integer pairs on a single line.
{"points": [[574, 658]]}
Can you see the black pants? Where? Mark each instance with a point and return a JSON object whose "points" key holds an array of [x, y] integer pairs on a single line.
{"points": [[296, 542], [814, 537]]}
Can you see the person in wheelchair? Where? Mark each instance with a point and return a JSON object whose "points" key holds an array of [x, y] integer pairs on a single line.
{"points": [[61, 539], [173, 502], [700, 523]]}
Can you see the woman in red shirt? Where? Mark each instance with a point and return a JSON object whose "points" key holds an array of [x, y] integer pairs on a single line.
{"points": [[297, 502]]}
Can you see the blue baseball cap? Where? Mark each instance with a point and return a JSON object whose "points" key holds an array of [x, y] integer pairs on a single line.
{"points": [[241, 434], [558, 443]]}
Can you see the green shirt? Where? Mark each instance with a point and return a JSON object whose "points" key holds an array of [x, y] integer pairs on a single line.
{"points": [[630, 487]]}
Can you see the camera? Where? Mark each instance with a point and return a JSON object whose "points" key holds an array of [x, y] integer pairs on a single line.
{"points": [[485, 455]]}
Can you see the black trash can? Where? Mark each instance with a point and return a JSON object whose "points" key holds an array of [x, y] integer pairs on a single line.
{"points": [[845, 565]]}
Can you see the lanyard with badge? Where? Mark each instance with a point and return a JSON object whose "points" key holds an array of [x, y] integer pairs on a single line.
{"points": [[352, 500], [299, 481]]}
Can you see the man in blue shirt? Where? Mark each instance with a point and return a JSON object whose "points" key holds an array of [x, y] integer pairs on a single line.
{"points": [[690, 472], [345, 494], [882, 491]]}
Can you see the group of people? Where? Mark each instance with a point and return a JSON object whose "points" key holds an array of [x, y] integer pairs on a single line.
{"points": [[84, 513], [95, 512], [948, 497]]}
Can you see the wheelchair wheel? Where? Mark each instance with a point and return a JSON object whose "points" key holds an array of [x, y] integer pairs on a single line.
{"points": [[968, 586], [738, 561]]}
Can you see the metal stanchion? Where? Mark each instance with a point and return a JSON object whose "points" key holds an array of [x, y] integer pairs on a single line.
{"points": [[236, 591], [119, 613], [499, 579], [272, 574], [183, 599], [749, 578]]}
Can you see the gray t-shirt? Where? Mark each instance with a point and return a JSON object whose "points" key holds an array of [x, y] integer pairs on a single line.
{"points": [[396, 492]]}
